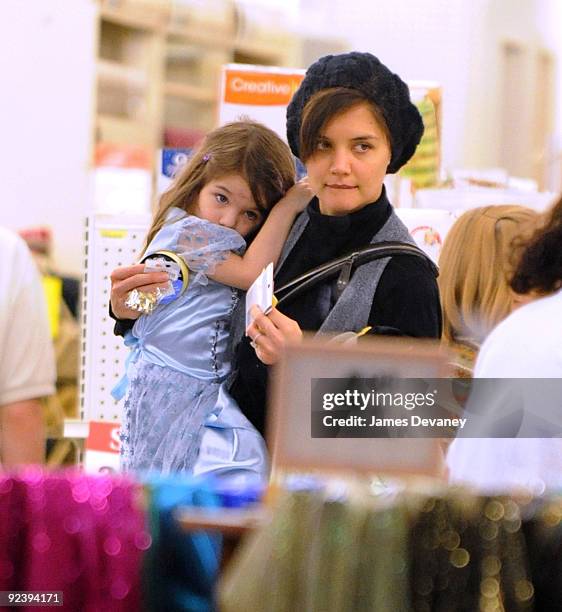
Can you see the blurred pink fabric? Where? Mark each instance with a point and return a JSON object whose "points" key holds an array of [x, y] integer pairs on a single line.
{"points": [[79, 534]]}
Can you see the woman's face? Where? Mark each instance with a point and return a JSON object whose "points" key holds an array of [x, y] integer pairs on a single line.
{"points": [[349, 164]]}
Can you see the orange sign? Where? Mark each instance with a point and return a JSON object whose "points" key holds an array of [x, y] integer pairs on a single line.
{"points": [[260, 88], [103, 436]]}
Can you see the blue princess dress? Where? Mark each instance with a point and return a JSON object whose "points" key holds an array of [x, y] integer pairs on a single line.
{"points": [[179, 364]]}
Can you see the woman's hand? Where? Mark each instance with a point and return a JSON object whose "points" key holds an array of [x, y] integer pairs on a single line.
{"points": [[271, 333], [127, 278]]}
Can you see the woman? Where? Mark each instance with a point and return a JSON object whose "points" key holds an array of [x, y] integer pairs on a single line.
{"points": [[526, 345], [351, 122], [475, 266]]}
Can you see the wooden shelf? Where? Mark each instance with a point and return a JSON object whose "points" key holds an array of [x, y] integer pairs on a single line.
{"points": [[116, 73], [228, 521], [159, 63], [193, 93], [217, 40], [135, 17], [182, 52], [263, 53], [112, 128]]}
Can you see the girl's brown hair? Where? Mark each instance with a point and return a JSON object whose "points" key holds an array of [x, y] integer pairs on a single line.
{"points": [[245, 148], [475, 266], [324, 106]]}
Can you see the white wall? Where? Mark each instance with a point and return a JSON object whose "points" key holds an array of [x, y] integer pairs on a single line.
{"points": [[454, 42], [410, 38], [550, 31], [47, 68], [47, 54]]}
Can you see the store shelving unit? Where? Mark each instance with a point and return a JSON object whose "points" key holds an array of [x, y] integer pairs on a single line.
{"points": [[159, 63], [129, 76]]}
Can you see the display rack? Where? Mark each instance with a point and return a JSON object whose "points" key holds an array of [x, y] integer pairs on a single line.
{"points": [[110, 242]]}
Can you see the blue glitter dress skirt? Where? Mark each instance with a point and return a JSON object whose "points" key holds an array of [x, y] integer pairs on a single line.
{"points": [[165, 411]]}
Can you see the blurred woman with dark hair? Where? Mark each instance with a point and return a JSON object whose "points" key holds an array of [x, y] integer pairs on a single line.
{"points": [[540, 268]]}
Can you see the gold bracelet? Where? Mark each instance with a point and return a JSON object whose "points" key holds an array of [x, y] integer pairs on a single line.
{"points": [[181, 263]]}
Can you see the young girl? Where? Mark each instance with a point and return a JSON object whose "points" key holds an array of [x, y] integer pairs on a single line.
{"points": [[180, 352]]}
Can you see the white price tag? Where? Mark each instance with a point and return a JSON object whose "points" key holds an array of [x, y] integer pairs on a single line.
{"points": [[260, 293]]}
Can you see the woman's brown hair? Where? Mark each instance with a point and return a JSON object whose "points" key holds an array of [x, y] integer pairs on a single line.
{"points": [[540, 266], [244, 148], [475, 266], [324, 106]]}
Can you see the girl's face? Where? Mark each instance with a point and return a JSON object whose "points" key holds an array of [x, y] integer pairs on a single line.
{"points": [[228, 201], [349, 164]]}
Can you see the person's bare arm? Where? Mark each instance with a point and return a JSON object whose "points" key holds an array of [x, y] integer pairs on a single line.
{"points": [[242, 271], [237, 271], [22, 433]]}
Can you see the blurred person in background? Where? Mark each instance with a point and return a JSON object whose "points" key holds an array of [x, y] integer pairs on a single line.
{"points": [[475, 266], [27, 367], [62, 303], [526, 345]]}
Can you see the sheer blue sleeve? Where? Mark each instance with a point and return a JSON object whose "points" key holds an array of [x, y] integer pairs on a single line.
{"points": [[204, 245]]}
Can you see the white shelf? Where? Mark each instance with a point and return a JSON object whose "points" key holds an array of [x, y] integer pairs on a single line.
{"points": [[76, 428]]}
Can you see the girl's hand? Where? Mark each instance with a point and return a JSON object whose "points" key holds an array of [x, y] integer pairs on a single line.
{"points": [[298, 196], [127, 278], [271, 333]]}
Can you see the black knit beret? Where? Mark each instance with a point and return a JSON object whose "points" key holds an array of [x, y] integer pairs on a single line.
{"points": [[364, 72]]}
